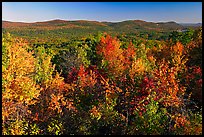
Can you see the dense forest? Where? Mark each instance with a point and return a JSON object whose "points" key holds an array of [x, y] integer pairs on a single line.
{"points": [[63, 30], [102, 83]]}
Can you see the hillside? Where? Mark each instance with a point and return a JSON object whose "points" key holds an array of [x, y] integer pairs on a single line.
{"points": [[129, 24], [191, 25], [81, 28]]}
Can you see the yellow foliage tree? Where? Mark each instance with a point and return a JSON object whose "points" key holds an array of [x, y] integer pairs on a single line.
{"points": [[18, 87]]}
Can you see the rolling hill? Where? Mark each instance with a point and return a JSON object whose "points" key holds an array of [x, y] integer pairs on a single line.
{"points": [[80, 28], [124, 25]]}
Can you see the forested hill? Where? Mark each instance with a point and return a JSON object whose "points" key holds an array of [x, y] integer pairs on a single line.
{"points": [[82, 28], [123, 26]]}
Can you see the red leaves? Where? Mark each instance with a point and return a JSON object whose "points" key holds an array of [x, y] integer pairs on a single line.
{"points": [[36, 118], [197, 70], [81, 72], [199, 82], [72, 76], [147, 83], [84, 76], [193, 81]]}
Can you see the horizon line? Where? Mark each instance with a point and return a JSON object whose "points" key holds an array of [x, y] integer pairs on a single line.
{"points": [[103, 21]]}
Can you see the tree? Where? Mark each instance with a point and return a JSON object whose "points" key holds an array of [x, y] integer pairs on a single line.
{"points": [[18, 86]]}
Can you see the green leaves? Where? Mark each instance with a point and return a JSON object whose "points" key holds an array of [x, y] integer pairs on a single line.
{"points": [[183, 37], [55, 127], [43, 67]]}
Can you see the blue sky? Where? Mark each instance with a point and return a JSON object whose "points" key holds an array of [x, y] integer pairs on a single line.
{"points": [[180, 12]]}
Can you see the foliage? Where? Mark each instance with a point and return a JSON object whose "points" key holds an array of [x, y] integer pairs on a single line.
{"points": [[43, 65], [18, 87], [103, 85]]}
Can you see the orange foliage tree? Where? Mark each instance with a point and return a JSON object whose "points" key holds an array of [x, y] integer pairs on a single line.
{"points": [[113, 58]]}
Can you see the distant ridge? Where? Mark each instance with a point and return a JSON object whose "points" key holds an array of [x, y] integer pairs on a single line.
{"points": [[55, 21], [79, 28], [63, 21], [191, 24], [128, 25]]}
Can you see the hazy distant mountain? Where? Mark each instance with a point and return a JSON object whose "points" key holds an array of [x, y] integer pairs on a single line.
{"points": [[81, 28], [129, 25], [191, 24]]}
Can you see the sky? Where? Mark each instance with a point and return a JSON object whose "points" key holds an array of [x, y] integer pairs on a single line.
{"points": [[180, 12]]}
